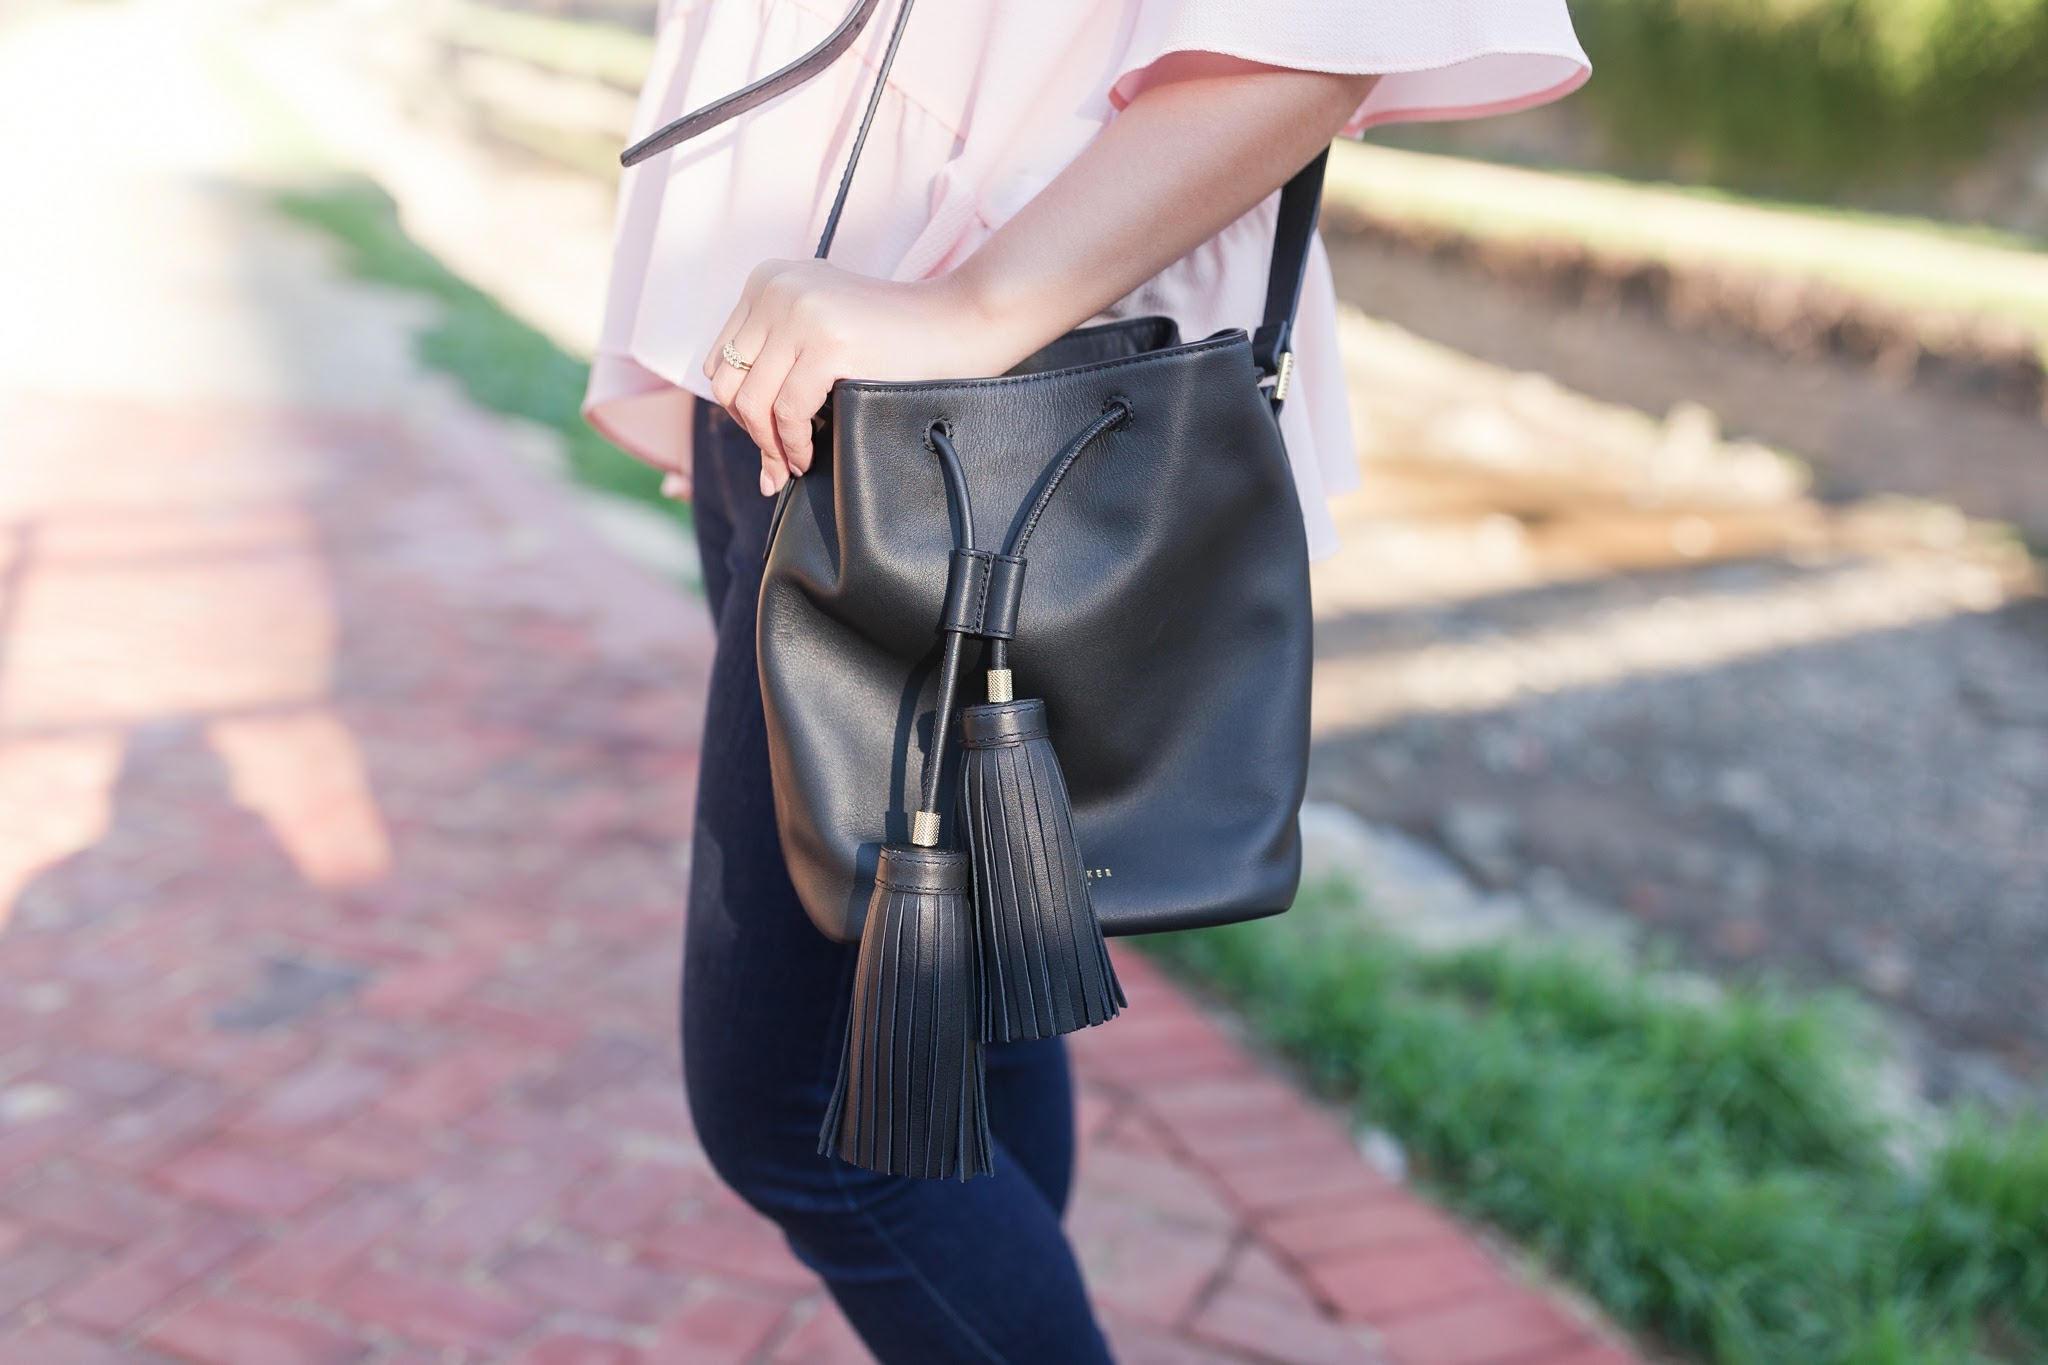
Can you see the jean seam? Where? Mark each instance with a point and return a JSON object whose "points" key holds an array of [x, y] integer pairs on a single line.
{"points": [[931, 1290]]}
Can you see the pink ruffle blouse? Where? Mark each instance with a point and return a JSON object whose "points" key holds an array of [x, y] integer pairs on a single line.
{"points": [[987, 101]]}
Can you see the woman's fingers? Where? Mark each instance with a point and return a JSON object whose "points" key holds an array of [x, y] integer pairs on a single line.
{"points": [[757, 281], [790, 334], [752, 405], [715, 361], [748, 340], [776, 401], [795, 409]]}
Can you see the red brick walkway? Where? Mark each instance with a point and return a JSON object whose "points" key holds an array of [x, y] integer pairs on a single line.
{"points": [[345, 785]]}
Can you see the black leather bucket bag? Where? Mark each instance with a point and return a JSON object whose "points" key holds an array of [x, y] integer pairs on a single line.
{"points": [[1111, 535], [1163, 619]]}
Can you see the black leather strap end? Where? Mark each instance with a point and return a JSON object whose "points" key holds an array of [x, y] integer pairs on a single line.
{"points": [[1294, 234], [1005, 592], [966, 592], [1269, 343]]}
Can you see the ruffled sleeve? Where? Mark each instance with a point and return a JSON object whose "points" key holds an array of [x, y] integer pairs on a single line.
{"points": [[1439, 59]]}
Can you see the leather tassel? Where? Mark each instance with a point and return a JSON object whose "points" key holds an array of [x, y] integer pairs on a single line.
{"points": [[910, 1099], [1045, 967]]}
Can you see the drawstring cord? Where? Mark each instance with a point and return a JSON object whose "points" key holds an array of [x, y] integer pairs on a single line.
{"points": [[1115, 413], [924, 824]]}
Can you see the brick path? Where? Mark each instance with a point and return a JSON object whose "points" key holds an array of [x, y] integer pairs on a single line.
{"points": [[344, 780], [346, 795]]}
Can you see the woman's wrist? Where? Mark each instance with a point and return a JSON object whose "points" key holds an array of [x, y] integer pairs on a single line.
{"points": [[1005, 327]]}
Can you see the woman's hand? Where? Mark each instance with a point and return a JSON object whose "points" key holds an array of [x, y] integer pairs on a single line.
{"points": [[804, 324]]}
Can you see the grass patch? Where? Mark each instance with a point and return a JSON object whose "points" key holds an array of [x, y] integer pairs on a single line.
{"points": [[1908, 262], [584, 48], [1702, 1167], [502, 362]]}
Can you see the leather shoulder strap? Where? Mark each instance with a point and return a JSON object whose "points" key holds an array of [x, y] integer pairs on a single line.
{"points": [[1294, 233], [860, 138], [759, 93]]}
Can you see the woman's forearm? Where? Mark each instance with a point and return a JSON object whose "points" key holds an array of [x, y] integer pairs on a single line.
{"points": [[1196, 150], [1207, 140]]}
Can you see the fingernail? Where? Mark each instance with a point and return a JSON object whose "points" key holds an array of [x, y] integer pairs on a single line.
{"points": [[767, 484]]}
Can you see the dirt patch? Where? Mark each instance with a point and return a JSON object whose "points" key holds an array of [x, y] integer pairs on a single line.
{"points": [[1797, 318], [1863, 429]]}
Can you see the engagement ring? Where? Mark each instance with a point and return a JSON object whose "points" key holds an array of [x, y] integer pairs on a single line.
{"points": [[732, 358]]}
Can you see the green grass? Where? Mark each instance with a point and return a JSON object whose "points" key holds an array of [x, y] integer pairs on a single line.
{"points": [[1911, 263], [501, 361], [1703, 1168]]}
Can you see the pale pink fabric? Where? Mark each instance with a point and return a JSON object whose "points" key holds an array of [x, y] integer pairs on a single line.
{"points": [[987, 101]]}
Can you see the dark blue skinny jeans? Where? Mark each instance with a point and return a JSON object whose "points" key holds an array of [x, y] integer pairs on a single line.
{"points": [[929, 1272]]}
